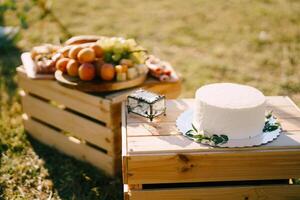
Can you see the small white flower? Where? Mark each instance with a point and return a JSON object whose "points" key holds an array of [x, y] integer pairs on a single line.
{"points": [[263, 36]]}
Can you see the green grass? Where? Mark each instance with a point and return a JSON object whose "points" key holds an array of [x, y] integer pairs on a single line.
{"points": [[252, 42]]}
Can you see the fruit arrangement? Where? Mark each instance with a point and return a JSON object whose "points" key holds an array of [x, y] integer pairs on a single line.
{"points": [[159, 69], [45, 58], [107, 59]]}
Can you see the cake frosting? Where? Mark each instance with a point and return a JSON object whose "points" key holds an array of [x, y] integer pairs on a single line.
{"points": [[235, 110]]}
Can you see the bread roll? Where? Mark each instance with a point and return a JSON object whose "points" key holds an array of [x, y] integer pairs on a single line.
{"points": [[80, 39]]}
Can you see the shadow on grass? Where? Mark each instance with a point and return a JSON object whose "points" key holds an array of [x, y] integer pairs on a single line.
{"points": [[73, 179], [9, 60]]}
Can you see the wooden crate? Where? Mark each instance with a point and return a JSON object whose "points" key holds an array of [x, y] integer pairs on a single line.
{"points": [[160, 163], [82, 125]]}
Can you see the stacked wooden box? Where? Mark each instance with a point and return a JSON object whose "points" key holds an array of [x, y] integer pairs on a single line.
{"points": [[160, 163], [82, 125]]}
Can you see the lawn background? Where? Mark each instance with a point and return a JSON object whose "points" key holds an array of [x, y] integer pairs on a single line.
{"points": [[253, 42]]}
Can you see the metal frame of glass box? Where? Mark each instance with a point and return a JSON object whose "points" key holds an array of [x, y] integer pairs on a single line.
{"points": [[140, 97]]}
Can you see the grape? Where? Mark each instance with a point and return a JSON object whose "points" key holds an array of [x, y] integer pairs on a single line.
{"points": [[107, 56], [131, 42], [117, 48], [125, 54], [116, 57], [138, 57]]}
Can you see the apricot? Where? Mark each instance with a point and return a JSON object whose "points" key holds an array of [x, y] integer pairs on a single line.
{"points": [[98, 64], [72, 67], [98, 50], [86, 72], [61, 64], [86, 55], [56, 57], [107, 72], [74, 52], [65, 51]]}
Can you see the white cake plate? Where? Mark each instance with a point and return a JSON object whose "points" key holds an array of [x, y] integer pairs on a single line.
{"points": [[184, 124]]}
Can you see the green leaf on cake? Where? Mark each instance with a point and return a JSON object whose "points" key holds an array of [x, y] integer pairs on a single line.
{"points": [[202, 138], [269, 115], [189, 133], [194, 128], [270, 125], [217, 139], [225, 138]]}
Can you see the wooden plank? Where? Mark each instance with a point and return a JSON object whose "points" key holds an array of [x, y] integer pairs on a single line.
{"points": [[175, 107], [274, 192], [85, 103], [290, 124], [179, 143], [176, 143], [152, 129], [125, 192], [124, 145], [170, 89], [70, 122], [114, 120], [293, 103], [226, 166], [66, 145], [169, 128], [135, 186], [284, 111], [278, 101]]}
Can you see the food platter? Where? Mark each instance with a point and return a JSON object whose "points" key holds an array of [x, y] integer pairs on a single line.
{"points": [[97, 85], [96, 64]]}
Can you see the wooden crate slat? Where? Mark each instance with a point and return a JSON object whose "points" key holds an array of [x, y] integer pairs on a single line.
{"points": [[278, 101], [85, 103], [170, 89], [151, 85], [285, 109], [174, 109], [143, 128], [274, 192], [152, 129], [124, 144], [61, 142], [290, 124], [288, 115], [170, 128], [179, 143], [231, 166], [114, 121], [78, 126]]}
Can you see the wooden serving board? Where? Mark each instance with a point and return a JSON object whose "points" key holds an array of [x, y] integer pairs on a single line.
{"points": [[97, 85]]}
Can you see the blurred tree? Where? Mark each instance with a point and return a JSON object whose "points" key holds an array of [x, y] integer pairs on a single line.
{"points": [[19, 11]]}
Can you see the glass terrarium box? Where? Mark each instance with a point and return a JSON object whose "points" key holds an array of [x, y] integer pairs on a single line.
{"points": [[146, 104]]}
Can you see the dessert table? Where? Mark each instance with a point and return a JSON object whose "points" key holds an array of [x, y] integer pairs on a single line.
{"points": [[84, 125], [160, 163]]}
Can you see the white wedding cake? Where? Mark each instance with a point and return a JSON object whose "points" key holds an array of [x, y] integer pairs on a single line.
{"points": [[235, 110]]}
